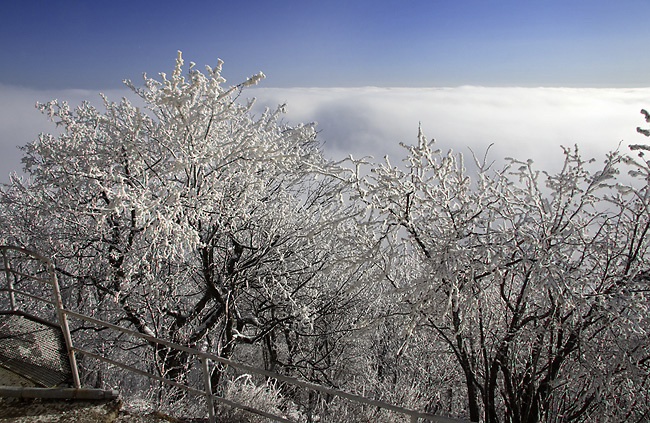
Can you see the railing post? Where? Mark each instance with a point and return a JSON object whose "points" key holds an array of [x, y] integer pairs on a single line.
{"points": [[208, 388], [10, 284], [63, 322]]}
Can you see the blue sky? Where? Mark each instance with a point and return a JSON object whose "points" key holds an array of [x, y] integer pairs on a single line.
{"points": [[528, 76], [94, 45]]}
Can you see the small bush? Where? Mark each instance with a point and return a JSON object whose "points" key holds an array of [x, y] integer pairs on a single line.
{"points": [[264, 397]]}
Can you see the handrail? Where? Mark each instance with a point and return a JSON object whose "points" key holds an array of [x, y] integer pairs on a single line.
{"points": [[27, 294], [262, 372], [205, 358]]}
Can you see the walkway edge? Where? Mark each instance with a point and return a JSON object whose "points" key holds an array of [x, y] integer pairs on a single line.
{"points": [[58, 393]]}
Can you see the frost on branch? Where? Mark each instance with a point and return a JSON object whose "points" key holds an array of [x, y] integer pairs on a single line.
{"points": [[532, 282], [645, 132], [188, 217]]}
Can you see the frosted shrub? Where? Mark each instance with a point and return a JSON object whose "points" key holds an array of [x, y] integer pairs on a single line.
{"points": [[264, 397]]}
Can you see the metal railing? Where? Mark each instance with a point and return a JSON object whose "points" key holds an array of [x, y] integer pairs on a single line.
{"points": [[49, 278], [206, 358]]}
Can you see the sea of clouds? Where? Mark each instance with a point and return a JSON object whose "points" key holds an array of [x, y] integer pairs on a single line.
{"points": [[525, 123]]}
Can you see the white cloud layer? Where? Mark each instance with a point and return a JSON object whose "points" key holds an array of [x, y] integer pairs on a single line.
{"points": [[520, 122], [21, 122]]}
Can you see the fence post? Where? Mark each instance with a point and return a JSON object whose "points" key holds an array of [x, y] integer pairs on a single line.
{"points": [[208, 389]]}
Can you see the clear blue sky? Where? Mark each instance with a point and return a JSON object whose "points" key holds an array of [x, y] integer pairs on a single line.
{"points": [[95, 44]]}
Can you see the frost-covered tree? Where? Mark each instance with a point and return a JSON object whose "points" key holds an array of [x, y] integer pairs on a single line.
{"points": [[535, 283], [188, 218]]}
